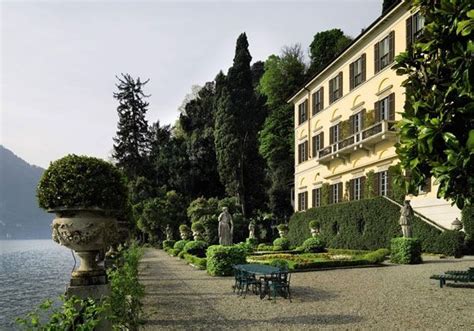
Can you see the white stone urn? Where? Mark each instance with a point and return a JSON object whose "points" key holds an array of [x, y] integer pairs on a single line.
{"points": [[88, 233], [197, 235], [314, 232]]}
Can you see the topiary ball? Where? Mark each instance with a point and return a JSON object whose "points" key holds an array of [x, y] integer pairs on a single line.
{"points": [[284, 243], [314, 245]]}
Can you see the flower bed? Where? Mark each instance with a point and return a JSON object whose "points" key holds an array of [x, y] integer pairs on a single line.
{"points": [[330, 259]]}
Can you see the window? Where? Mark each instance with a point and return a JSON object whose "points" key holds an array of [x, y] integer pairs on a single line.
{"points": [[383, 183], [357, 122], [334, 134], [318, 143], [357, 72], [384, 52], [316, 197], [335, 195], [303, 152], [415, 25], [303, 200], [318, 103], [357, 188], [302, 112], [335, 88], [385, 109]]}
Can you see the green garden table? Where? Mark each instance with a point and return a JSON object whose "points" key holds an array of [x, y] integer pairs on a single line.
{"points": [[265, 271]]}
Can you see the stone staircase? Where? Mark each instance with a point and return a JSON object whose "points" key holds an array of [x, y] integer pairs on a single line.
{"points": [[439, 211]]}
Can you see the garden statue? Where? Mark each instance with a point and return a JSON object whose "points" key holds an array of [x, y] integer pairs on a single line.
{"points": [[252, 230], [169, 232], [226, 227], [406, 219]]}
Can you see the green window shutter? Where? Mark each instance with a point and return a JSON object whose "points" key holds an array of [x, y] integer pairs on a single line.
{"points": [[331, 91], [313, 147], [391, 102], [376, 184], [391, 41], [351, 189], [341, 90], [376, 58], [362, 187], [377, 111], [364, 67], [331, 194], [331, 135], [321, 140], [321, 97], [362, 117], [339, 192], [351, 124]]}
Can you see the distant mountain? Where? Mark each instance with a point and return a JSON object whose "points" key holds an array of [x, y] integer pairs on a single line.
{"points": [[20, 216]]}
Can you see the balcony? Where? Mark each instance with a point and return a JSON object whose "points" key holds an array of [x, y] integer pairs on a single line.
{"points": [[364, 140]]}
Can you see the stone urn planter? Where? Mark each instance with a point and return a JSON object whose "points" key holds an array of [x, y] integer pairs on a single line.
{"points": [[314, 228], [198, 230], [283, 230], [185, 232], [86, 194]]}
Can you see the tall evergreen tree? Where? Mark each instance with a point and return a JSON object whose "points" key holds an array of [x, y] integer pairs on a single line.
{"points": [[283, 75], [236, 126], [131, 142], [387, 4], [326, 45]]}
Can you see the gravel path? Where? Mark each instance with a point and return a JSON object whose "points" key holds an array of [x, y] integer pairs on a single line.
{"points": [[179, 297]]}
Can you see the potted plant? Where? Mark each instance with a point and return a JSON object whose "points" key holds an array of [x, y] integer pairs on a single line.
{"points": [[184, 232], [198, 230], [282, 230], [314, 227], [86, 194]]}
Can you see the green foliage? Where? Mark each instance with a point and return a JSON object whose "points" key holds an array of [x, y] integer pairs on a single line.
{"points": [[364, 224], [263, 247], [405, 251], [198, 262], [184, 228], [179, 245], [436, 130], [168, 244], [82, 182], [253, 242], [196, 248], [326, 45], [387, 4], [369, 189], [282, 227], [280, 244], [314, 245], [377, 256], [280, 263], [468, 224], [220, 259], [73, 314], [127, 292], [451, 243], [131, 143], [325, 194], [314, 224], [197, 227], [397, 190], [202, 207]]}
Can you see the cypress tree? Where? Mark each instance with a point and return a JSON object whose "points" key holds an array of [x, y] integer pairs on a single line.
{"points": [[131, 142]]}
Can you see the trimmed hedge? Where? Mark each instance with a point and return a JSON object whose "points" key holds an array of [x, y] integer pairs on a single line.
{"points": [[253, 242], [313, 245], [196, 248], [405, 251], [199, 262], [220, 259], [468, 224], [281, 243], [451, 243], [168, 244], [179, 245], [365, 224]]}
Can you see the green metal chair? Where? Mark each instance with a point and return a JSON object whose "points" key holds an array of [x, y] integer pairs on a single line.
{"points": [[279, 283]]}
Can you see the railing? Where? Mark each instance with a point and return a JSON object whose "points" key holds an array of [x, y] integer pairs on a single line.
{"points": [[359, 137], [423, 217]]}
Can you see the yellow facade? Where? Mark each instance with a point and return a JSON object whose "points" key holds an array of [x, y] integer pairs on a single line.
{"points": [[366, 146]]}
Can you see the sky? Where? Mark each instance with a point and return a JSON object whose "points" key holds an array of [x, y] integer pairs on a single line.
{"points": [[59, 59]]}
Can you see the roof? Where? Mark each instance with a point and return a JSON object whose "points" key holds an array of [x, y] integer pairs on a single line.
{"points": [[374, 24]]}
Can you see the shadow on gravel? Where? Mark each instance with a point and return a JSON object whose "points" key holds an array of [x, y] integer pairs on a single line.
{"points": [[293, 321], [441, 261]]}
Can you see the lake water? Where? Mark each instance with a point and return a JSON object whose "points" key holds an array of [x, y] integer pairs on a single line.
{"points": [[30, 272]]}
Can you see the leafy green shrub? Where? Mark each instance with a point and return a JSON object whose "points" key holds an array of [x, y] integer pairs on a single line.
{"points": [[198, 262], [314, 245], [253, 242], [314, 224], [82, 182], [198, 227], [173, 252], [405, 251], [264, 247], [168, 244], [378, 256], [468, 224], [451, 243], [379, 216], [282, 227], [179, 245], [196, 248], [279, 263], [184, 228], [283, 243], [220, 259], [246, 247]]}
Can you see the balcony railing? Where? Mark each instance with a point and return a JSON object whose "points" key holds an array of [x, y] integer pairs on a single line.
{"points": [[362, 139]]}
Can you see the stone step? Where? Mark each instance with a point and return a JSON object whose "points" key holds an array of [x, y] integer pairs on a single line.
{"points": [[438, 210]]}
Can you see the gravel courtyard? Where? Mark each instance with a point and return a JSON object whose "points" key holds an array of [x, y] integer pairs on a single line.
{"points": [[179, 297]]}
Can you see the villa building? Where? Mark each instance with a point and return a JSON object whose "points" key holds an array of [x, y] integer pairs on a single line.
{"points": [[345, 121]]}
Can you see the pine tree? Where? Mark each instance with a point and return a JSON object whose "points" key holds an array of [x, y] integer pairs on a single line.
{"points": [[131, 142]]}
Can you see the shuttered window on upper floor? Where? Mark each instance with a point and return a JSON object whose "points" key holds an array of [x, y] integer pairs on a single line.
{"points": [[357, 72], [303, 152], [302, 112], [385, 109], [318, 100], [335, 88], [414, 27], [317, 143], [384, 52]]}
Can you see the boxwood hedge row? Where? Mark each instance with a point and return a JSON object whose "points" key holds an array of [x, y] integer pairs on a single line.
{"points": [[365, 224]]}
